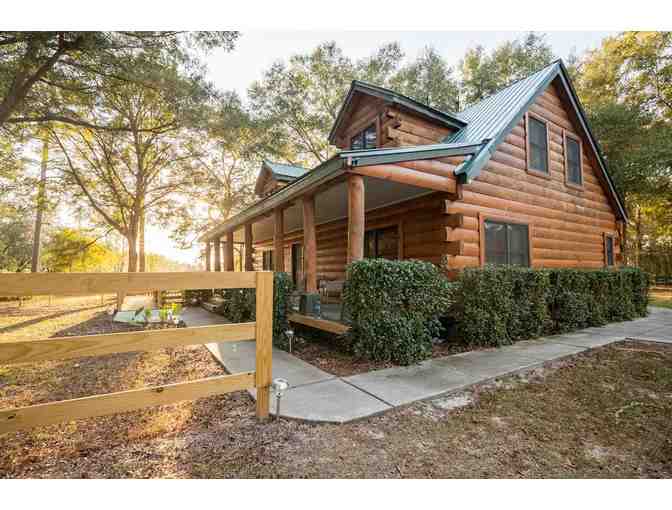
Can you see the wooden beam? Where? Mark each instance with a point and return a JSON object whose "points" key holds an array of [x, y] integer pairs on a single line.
{"points": [[408, 176], [208, 265], [77, 284], [33, 351], [454, 220], [264, 342], [218, 253], [228, 252], [309, 244], [279, 241], [249, 247], [356, 217], [21, 418], [454, 247], [324, 325]]}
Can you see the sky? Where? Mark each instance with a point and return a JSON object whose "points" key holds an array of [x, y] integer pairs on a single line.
{"points": [[257, 50]]}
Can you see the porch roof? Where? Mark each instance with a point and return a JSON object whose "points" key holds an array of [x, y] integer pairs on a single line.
{"points": [[332, 169]]}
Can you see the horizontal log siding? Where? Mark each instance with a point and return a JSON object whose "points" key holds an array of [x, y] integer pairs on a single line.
{"points": [[568, 224], [422, 234]]}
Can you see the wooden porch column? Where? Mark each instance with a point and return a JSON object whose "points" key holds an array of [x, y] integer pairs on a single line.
{"points": [[309, 244], [218, 254], [208, 266], [279, 241], [355, 217], [228, 252], [249, 261]]}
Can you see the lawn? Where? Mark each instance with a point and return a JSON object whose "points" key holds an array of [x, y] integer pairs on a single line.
{"points": [[661, 298], [607, 413]]}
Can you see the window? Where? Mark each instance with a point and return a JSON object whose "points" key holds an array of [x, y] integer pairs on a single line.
{"points": [[382, 243], [267, 260], [573, 160], [537, 145], [506, 243], [609, 250], [364, 139]]}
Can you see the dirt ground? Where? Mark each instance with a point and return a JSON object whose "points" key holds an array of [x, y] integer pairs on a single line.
{"points": [[607, 413]]}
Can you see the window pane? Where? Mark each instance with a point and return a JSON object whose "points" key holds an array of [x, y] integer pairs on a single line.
{"points": [[573, 161], [518, 244], [388, 243], [610, 251], [495, 243], [356, 142], [538, 145], [370, 244], [370, 137]]}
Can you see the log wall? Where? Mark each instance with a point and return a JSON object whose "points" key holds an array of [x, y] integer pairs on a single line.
{"points": [[567, 224]]}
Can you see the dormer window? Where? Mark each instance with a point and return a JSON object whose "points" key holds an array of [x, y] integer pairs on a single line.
{"points": [[365, 139]]}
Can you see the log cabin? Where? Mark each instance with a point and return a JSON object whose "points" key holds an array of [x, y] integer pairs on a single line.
{"points": [[517, 178]]}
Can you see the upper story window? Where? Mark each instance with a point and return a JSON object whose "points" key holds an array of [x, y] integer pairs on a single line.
{"points": [[608, 250], [382, 243], [365, 139], [573, 168], [537, 145], [506, 243]]}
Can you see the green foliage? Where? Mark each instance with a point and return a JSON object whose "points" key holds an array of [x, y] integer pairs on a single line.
{"points": [[499, 305], [75, 250], [239, 306], [394, 307]]}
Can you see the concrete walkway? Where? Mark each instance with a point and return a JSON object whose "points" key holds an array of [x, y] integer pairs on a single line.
{"points": [[315, 395]]}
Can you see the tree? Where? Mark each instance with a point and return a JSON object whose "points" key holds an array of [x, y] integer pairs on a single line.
{"points": [[15, 239], [429, 80], [483, 73], [125, 176], [299, 101], [41, 73], [75, 250]]}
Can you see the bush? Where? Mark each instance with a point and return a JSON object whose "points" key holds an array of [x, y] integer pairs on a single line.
{"points": [[239, 305], [394, 307], [499, 305]]}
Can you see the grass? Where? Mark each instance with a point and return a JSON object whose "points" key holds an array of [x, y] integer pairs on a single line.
{"points": [[606, 413], [662, 299]]}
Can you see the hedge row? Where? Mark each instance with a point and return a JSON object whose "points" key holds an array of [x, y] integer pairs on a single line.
{"points": [[395, 306], [500, 305]]}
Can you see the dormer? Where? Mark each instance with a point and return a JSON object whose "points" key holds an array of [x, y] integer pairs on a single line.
{"points": [[274, 176], [373, 117]]}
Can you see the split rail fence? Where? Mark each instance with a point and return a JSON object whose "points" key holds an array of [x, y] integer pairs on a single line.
{"points": [[69, 284]]}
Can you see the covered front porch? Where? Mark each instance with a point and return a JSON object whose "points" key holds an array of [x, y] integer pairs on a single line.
{"points": [[343, 211]]}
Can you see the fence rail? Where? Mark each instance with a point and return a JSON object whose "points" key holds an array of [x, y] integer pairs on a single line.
{"points": [[32, 351]]}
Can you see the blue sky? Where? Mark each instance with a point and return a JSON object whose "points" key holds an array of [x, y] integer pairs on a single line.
{"points": [[257, 50]]}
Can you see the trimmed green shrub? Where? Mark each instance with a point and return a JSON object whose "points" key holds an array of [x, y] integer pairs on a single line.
{"points": [[394, 307], [499, 305]]}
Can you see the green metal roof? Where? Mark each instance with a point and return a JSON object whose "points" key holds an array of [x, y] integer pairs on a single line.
{"points": [[446, 118], [285, 172]]}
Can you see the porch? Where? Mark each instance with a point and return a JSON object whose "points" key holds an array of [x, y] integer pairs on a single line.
{"points": [[378, 204]]}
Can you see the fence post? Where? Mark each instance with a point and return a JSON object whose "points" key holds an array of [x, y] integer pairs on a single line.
{"points": [[264, 341]]}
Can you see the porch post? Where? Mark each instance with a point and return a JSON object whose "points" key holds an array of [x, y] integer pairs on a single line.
{"points": [[249, 261], [310, 244], [355, 217], [279, 241], [218, 254], [208, 266], [228, 252]]}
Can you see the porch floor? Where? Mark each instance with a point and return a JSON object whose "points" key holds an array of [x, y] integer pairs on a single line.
{"points": [[315, 395]]}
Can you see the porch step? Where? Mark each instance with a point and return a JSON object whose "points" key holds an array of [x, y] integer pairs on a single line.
{"points": [[334, 327]]}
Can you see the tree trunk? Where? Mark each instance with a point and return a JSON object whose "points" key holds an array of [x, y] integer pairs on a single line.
{"points": [[638, 237], [142, 260], [41, 203]]}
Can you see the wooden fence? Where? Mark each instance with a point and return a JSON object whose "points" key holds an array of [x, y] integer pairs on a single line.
{"points": [[31, 351]]}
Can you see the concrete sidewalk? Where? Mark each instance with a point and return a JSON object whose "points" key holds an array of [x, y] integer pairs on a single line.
{"points": [[315, 395]]}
